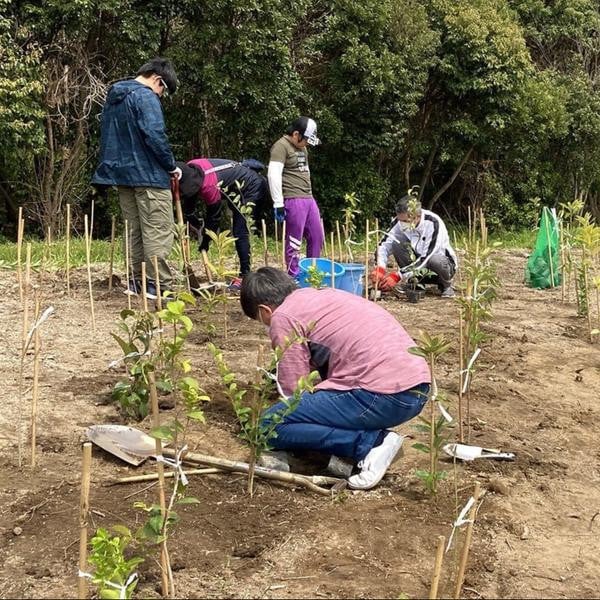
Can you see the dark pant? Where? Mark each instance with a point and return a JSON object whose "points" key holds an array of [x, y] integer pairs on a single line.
{"points": [[345, 423], [441, 264]]}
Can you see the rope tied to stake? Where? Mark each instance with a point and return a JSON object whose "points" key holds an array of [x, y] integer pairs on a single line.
{"points": [[175, 463]]}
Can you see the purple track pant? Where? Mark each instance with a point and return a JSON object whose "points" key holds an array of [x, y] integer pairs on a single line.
{"points": [[302, 220]]}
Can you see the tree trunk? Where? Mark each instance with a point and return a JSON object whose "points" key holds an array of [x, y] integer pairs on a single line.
{"points": [[450, 181]]}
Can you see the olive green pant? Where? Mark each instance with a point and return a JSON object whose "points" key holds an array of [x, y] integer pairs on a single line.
{"points": [[149, 215]]}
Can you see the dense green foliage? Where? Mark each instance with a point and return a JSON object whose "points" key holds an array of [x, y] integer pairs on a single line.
{"points": [[484, 103]]}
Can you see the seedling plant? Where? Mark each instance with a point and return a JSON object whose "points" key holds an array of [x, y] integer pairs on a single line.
{"points": [[431, 348], [217, 295], [251, 402]]}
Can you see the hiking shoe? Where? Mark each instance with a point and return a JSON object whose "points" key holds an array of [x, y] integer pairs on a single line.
{"points": [[151, 291], [235, 285], [448, 292], [134, 287], [276, 460], [375, 464]]}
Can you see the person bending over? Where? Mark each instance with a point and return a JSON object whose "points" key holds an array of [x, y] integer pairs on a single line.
{"points": [[418, 240], [369, 380], [216, 182]]}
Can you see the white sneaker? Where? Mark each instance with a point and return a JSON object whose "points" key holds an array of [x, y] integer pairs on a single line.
{"points": [[448, 293], [376, 462], [276, 460]]}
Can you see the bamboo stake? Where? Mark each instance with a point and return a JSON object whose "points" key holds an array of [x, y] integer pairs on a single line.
{"points": [[367, 260], [332, 260], [550, 262], [562, 261], [20, 231], [112, 253], [144, 292], [255, 416], [339, 237], [276, 238], [467, 543], [68, 248], [24, 330], [164, 553], [157, 280], [588, 303], [127, 262], [84, 508], [311, 483], [283, 245], [155, 476], [437, 567], [461, 366], [89, 271], [206, 266], [264, 233], [36, 378]]}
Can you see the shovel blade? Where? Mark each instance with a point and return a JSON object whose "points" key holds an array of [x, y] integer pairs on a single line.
{"points": [[127, 443]]}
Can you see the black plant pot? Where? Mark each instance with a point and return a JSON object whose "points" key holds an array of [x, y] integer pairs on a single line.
{"points": [[413, 296]]}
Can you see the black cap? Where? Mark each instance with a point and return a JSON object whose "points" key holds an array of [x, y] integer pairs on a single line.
{"points": [[191, 180]]}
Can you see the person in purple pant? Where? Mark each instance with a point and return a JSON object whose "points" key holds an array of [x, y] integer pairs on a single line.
{"points": [[291, 190], [370, 381]]}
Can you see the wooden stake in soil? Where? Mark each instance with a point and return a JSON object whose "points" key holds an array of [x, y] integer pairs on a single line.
{"points": [[264, 232], [127, 263], [339, 238], [144, 291], [20, 231], [367, 259], [276, 224], [206, 264], [332, 260], [112, 253], [461, 366], [24, 331], [84, 508], [550, 262], [164, 554], [36, 378], [437, 567], [467, 544], [89, 271], [68, 248]]}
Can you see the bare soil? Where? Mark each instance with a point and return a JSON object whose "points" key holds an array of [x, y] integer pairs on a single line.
{"points": [[536, 393]]}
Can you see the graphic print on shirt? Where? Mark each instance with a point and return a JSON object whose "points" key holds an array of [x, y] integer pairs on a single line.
{"points": [[301, 163]]}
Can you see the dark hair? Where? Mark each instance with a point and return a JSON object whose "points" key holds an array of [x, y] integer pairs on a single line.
{"points": [[401, 206], [164, 69], [268, 286]]}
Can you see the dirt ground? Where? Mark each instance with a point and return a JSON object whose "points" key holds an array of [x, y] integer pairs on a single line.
{"points": [[537, 533]]}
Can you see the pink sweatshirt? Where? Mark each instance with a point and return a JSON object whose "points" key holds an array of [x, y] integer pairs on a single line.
{"points": [[352, 342]]}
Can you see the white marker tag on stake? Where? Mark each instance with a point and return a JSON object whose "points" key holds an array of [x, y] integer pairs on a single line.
{"points": [[444, 412], [460, 520], [467, 371], [175, 464], [122, 588]]}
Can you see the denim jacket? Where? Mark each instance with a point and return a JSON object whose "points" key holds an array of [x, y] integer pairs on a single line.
{"points": [[134, 148]]}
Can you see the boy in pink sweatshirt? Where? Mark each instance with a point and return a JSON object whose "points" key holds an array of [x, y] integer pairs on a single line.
{"points": [[369, 380]]}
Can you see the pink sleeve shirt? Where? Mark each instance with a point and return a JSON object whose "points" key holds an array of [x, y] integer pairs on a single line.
{"points": [[353, 343]]}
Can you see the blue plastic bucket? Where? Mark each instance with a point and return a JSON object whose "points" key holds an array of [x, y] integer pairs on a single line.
{"points": [[324, 265], [352, 279]]}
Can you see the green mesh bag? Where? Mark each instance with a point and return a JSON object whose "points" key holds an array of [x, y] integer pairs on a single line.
{"points": [[543, 265]]}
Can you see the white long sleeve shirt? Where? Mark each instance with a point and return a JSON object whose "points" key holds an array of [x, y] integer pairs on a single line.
{"points": [[427, 238]]}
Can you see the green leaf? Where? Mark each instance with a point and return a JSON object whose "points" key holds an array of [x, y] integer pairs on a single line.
{"points": [[188, 500]]}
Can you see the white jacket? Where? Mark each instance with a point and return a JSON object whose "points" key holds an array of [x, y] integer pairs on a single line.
{"points": [[427, 238]]}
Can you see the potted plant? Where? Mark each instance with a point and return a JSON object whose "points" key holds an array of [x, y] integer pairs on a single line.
{"points": [[414, 287]]}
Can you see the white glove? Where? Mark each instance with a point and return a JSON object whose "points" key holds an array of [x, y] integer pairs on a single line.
{"points": [[176, 172]]}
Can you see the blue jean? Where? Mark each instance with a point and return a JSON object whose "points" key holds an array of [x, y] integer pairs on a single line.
{"points": [[345, 423]]}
